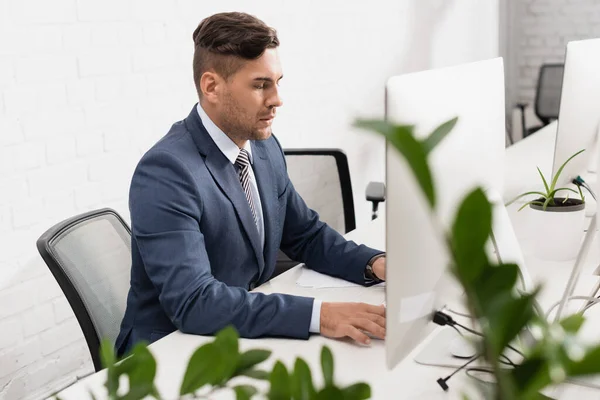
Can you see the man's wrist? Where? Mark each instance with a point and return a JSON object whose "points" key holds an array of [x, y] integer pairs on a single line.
{"points": [[370, 275]]}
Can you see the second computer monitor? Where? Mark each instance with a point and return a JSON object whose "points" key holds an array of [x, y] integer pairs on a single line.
{"points": [[579, 115], [471, 155]]}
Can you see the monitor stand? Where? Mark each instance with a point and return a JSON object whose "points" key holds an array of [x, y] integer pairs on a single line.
{"points": [[446, 349]]}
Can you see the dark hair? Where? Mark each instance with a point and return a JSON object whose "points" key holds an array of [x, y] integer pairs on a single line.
{"points": [[222, 41]]}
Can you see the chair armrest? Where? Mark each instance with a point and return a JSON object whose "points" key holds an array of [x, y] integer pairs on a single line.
{"points": [[375, 192], [522, 106]]}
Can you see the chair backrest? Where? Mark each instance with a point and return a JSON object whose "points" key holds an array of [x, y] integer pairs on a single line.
{"points": [[549, 87], [322, 178], [90, 258]]}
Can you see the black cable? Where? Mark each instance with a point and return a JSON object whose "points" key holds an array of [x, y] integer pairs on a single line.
{"points": [[480, 334], [580, 182], [443, 381], [507, 362], [441, 318], [469, 371], [456, 329]]}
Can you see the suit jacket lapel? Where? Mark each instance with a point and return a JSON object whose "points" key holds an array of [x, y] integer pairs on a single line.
{"points": [[226, 177], [263, 170]]}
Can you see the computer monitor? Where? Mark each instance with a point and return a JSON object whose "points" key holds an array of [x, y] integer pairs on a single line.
{"points": [[579, 114], [471, 155]]}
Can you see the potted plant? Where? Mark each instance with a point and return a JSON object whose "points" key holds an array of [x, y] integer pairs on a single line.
{"points": [[499, 312], [554, 210]]}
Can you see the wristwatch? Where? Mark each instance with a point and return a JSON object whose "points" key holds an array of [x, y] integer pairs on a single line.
{"points": [[369, 273]]}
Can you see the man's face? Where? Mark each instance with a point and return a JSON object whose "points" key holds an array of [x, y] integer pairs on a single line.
{"points": [[250, 97]]}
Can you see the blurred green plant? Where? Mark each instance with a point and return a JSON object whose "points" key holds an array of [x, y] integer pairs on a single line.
{"points": [[499, 310], [213, 365], [548, 198]]}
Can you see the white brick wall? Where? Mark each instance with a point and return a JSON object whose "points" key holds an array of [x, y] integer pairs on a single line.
{"points": [[547, 26], [86, 86]]}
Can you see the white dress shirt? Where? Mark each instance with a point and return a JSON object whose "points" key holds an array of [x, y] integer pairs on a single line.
{"points": [[231, 151]]}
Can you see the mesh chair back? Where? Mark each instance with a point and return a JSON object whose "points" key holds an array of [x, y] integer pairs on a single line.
{"points": [[322, 178], [549, 88], [90, 257]]}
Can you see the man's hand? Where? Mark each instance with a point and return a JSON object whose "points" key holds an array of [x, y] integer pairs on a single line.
{"points": [[379, 268], [350, 319]]}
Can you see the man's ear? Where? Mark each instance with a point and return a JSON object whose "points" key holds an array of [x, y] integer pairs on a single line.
{"points": [[210, 85]]}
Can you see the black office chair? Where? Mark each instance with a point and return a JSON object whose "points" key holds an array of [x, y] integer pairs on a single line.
{"points": [[90, 258], [330, 195], [547, 97]]}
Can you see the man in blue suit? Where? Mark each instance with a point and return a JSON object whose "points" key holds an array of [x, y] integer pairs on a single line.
{"points": [[211, 204]]}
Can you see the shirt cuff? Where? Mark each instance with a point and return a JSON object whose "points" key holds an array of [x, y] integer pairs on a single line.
{"points": [[315, 319]]}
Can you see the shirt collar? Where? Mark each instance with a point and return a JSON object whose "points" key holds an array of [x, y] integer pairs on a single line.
{"points": [[223, 142]]}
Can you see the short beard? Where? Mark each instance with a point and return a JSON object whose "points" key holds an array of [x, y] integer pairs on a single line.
{"points": [[233, 124]]}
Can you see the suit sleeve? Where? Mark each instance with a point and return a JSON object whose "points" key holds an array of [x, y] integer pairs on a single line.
{"points": [[166, 210], [311, 241]]}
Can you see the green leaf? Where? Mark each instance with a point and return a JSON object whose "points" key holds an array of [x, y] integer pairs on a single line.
{"points": [[507, 316], [137, 392], [107, 354], [244, 392], [256, 374], [302, 386], [358, 391], [227, 339], [251, 358], [381, 126], [280, 383], [470, 232], [555, 179], [572, 323], [589, 365], [202, 369], [140, 368], [547, 202], [327, 365], [553, 193], [438, 135], [108, 359], [537, 203], [494, 281], [332, 393], [581, 196], [541, 396], [401, 137], [227, 342], [526, 194], [531, 376], [545, 183]]}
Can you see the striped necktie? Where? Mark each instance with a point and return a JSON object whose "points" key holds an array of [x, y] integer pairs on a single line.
{"points": [[243, 164]]}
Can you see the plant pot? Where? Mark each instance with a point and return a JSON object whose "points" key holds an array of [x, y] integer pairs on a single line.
{"points": [[559, 229]]}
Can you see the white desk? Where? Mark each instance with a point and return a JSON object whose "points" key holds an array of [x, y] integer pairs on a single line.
{"points": [[354, 363]]}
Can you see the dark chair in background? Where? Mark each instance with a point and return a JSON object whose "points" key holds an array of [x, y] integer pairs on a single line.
{"points": [[547, 97], [90, 258], [322, 178]]}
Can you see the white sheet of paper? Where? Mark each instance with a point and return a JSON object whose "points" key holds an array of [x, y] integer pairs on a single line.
{"points": [[312, 279]]}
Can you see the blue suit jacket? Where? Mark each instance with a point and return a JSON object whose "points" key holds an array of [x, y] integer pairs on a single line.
{"points": [[196, 251]]}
